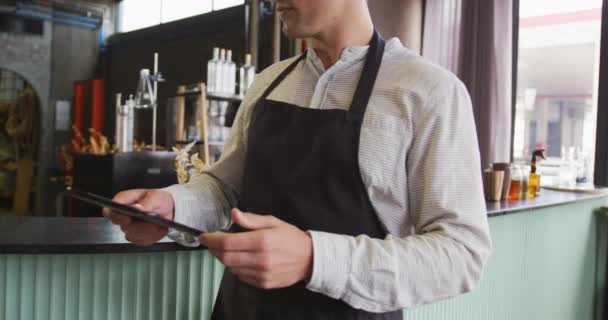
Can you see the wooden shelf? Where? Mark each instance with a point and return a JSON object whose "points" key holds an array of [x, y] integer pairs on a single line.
{"points": [[212, 96], [209, 150], [223, 97], [198, 142]]}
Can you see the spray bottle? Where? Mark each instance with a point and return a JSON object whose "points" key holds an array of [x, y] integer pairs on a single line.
{"points": [[534, 180]]}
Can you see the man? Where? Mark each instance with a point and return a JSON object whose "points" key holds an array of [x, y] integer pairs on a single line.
{"points": [[355, 170]]}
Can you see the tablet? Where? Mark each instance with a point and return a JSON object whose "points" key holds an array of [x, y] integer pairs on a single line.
{"points": [[131, 212]]}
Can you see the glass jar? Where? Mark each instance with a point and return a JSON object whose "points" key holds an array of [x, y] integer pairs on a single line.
{"points": [[517, 183]]}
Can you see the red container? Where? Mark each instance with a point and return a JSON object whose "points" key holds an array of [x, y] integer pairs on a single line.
{"points": [[97, 95], [80, 102]]}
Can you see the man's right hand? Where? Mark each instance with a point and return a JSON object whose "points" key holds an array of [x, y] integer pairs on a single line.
{"points": [[151, 200]]}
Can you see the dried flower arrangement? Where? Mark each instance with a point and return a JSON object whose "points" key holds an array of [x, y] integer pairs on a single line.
{"points": [[98, 143], [186, 165]]}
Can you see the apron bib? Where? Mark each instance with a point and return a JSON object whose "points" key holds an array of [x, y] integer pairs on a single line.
{"points": [[302, 166]]}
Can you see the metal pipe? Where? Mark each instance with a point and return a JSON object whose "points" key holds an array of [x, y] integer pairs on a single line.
{"points": [[54, 13], [57, 20], [254, 27], [155, 102]]}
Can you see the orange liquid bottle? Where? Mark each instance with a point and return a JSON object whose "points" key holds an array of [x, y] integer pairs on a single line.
{"points": [[515, 190]]}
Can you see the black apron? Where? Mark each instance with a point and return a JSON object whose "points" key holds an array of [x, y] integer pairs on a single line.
{"points": [[302, 166]]}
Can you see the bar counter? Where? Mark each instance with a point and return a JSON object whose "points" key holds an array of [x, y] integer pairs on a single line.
{"points": [[548, 262], [57, 235]]}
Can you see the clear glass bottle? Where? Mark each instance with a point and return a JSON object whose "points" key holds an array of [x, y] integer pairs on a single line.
{"points": [[242, 89], [211, 71], [246, 73], [230, 74], [219, 72], [143, 95]]}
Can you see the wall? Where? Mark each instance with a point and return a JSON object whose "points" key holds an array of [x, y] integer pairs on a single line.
{"points": [[399, 18], [30, 56], [75, 55]]}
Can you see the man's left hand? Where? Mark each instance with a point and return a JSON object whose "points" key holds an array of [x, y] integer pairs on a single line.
{"points": [[272, 254]]}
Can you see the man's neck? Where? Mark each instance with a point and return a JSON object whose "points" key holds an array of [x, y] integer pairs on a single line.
{"points": [[329, 43]]}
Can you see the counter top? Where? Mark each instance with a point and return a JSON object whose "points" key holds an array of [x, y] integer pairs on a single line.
{"points": [[547, 198], [67, 235], [52, 235]]}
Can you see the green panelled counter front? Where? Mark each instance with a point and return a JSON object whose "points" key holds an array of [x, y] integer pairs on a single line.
{"points": [[549, 262]]}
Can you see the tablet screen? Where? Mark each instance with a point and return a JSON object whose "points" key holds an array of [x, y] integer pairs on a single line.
{"points": [[129, 211]]}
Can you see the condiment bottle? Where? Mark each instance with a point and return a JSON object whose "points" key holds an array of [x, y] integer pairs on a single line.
{"points": [[534, 180], [517, 180]]}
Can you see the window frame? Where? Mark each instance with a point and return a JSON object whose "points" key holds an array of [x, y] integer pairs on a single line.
{"points": [[601, 142], [601, 138], [514, 73]]}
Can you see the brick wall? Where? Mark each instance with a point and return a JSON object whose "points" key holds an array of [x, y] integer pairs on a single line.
{"points": [[21, 48]]}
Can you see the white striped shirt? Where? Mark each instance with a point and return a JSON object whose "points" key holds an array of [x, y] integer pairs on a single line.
{"points": [[419, 161]]}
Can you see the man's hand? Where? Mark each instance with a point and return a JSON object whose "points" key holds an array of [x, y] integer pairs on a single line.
{"points": [[153, 200], [274, 254]]}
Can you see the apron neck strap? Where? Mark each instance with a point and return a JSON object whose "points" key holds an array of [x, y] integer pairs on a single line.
{"points": [[364, 89], [368, 75], [283, 75]]}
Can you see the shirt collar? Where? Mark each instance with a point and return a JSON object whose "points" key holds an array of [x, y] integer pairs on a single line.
{"points": [[348, 56]]}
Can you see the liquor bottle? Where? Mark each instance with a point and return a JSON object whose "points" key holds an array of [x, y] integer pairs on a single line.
{"points": [[246, 75], [220, 72], [230, 74], [211, 71]]}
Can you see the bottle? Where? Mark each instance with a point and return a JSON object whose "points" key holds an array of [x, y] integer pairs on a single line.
{"points": [[122, 120], [247, 73], [517, 180], [129, 125], [241, 90], [219, 72], [211, 70], [230, 83], [534, 180], [143, 95], [524, 184]]}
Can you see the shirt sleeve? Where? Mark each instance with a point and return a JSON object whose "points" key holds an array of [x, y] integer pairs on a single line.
{"points": [[446, 254], [206, 200]]}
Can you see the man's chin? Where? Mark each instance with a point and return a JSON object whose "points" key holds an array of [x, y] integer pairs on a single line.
{"points": [[294, 34]]}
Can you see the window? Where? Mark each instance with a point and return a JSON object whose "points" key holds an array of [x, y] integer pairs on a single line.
{"points": [[138, 14], [181, 9], [557, 77], [222, 4], [11, 23]]}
